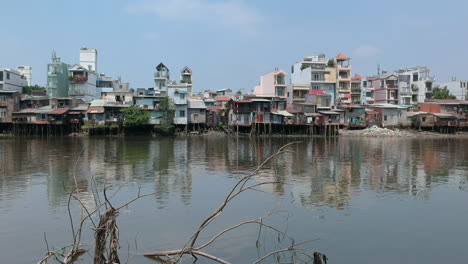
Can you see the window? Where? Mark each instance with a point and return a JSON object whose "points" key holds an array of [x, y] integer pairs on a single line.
{"points": [[182, 113], [182, 96], [3, 98], [315, 87], [8, 76], [195, 116], [202, 110], [279, 91], [317, 77], [385, 118], [1, 76], [2, 112], [423, 119]]}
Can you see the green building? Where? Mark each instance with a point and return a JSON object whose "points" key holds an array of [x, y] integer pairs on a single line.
{"points": [[57, 77]]}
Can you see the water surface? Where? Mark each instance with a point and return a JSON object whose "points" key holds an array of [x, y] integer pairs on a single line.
{"points": [[367, 200]]}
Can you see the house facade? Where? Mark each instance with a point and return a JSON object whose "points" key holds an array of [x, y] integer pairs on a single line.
{"points": [[272, 84], [9, 103], [12, 80], [313, 73], [82, 83]]}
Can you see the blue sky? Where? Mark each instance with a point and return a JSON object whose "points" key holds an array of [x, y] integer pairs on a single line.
{"points": [[229, 43]]}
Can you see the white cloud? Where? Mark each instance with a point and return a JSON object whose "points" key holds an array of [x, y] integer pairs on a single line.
{"points": [[228, 12], [367, 50]]}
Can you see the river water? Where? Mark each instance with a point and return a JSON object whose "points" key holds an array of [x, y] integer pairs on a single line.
{"points": [[364, 200]]}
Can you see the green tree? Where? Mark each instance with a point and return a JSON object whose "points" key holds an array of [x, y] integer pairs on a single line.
{"points": [[166, 106], [29, 89], [135, 116], [331, 63], [239, 92], [442, 93]]}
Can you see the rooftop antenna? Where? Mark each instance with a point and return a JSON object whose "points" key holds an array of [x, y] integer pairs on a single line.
{"points": [[378, 69]]}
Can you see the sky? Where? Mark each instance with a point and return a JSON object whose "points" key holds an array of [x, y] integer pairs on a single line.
{"points": [[230, 43]]}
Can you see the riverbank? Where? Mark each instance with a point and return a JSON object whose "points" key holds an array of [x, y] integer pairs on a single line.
{"points": [[368, 132]]}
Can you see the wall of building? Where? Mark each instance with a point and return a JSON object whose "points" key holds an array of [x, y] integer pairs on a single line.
{"points": [[9, 103], [27, 72], [196, 116], [180, 117], [11, 80], [457, 88]]}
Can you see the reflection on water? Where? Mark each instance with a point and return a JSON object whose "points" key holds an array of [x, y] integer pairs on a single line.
{"points": [[319, 172], [322, 172]]}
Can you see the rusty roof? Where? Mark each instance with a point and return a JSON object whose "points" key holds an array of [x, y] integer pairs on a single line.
{"points": [[96, 110], [59, 111]]}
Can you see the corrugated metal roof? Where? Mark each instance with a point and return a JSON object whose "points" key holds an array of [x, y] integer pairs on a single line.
{"points": [[329, 112], [98, 102], [283, 113], [196, 104], [59, 111]]}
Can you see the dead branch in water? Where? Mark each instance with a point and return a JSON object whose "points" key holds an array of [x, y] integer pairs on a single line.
{"points": [[106, 232], [190, 248]]}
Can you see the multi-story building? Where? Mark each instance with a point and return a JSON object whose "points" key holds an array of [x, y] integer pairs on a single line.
{"points": [[57, 77], [89, 58], [12, 80], [178, 92], [356, 84], [456, 87], [343, 78], [27, 72], [9, 103], [82, 83], [83, 77], [415, 85], [272, 84], [313, 75], [382, 89], [107, 84]]}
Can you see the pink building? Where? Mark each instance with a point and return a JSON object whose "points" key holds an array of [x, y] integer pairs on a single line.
{"points": [[272, 84], [382, 89]]}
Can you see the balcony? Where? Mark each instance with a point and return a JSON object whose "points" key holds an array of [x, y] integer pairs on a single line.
{"points": [[391, 86], [78, 78], [344, 67], [355, 91]]}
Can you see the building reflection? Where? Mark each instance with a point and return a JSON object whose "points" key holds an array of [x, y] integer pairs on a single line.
{"points": [[316, 171]]}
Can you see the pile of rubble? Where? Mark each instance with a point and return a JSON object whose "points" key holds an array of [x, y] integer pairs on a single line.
{"points": [[375, 131]]}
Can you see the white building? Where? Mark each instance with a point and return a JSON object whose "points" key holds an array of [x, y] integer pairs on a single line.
{"points": [[312, 75], [27, 72], [414, 85], [458, 88], [178, 92], [11, 80], [82, 83], [89, 59]]}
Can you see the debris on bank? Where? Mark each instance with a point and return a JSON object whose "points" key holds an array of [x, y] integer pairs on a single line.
{"points": [[375, 131]]}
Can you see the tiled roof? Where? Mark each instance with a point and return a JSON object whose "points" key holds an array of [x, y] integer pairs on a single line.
{"points": [[357, 77], [341, 57]]}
